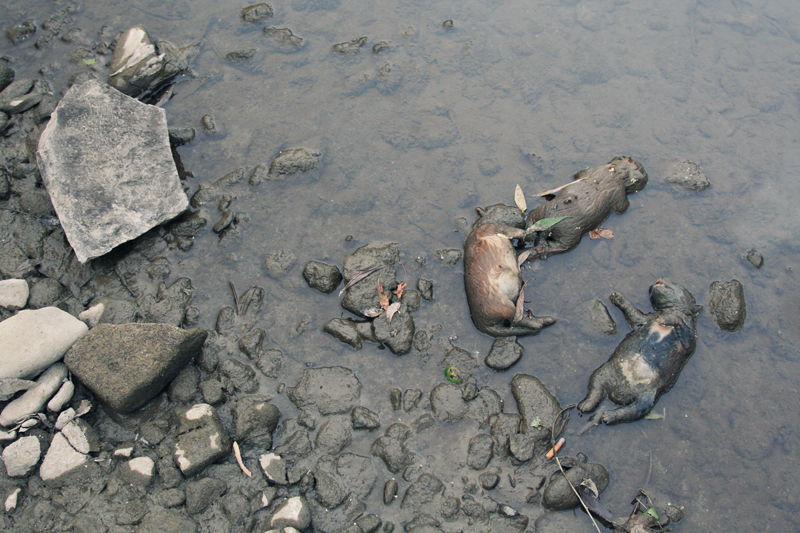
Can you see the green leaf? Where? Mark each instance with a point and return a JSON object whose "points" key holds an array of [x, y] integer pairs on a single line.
{"points": [[655, 416], [536, 422], [652, 512], [91, 61], [544, 224]]}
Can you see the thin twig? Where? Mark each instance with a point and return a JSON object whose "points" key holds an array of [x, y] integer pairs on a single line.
{"points": [[558, 461], [235, 298]]}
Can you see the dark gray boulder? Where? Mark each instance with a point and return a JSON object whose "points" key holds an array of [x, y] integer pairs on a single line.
{"points": [[559, 496], [126, 365], [505, 353], [322, 276], [105, 159], [727, 305], [537, 406]]}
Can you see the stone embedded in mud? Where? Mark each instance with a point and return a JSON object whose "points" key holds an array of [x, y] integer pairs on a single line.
{"points": [[363, 418], [31, 341], [322, 276], [292, 161], [727, 304], [345, 330], [254, 420], [423, 490], [397, 335], [334, 435], [559, 495], [21, 456], [391, 448], [138, 471], [332, 389], [127, 365], [257, 12], [362, 298], [534, 401], [13, 294], [202, 493], [104, 201], [61, 460], [480, 451], [202, 440], [504, 354], [35, 398], [688, 176], [294, 512]]}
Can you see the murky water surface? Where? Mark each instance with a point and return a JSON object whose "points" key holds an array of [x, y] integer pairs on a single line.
{"points": [[417, 136]]}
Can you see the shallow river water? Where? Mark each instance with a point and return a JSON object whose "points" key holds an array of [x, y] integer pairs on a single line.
{"points": [[414, 138]]}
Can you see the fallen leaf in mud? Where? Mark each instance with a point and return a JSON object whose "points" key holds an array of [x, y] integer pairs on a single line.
{"points": [[519, 199], [391, 310], [238, 456], [522, 257], [400, 288], [520, 304], [653, 416], [361, 275], [383, 297], [554, 191], [543, 224], [601, 233]]}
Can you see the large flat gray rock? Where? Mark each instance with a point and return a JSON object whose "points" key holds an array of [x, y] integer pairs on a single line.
{"points": [[128, 364], [106, 162]]}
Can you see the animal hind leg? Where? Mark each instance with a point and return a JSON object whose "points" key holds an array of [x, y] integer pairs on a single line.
{"points": [[597, 390], [631, 412]]}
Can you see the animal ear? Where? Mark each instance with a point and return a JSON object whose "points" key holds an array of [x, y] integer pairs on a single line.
{"points": [[480, 211]]}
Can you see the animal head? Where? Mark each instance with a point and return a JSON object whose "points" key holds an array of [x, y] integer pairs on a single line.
{"points": [[666, 294], [501, 214], [631, 172]]}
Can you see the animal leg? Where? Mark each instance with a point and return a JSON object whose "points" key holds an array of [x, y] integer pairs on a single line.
{"points": [[629, 413], [633, 316], [597, 390], [526, 326]]}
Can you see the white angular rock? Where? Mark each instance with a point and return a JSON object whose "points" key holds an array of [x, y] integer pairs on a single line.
{"points": [[92, 315], [138, 471], [274, 468], [106, 161], [294, 512], [36, 397], [13, 294], [61, 459], [32, 340], [81, 436], [60, 399], [11, 500], [21, 456]]}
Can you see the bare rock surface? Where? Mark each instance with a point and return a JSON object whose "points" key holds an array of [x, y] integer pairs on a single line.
{"points": [[60, 460], [34, 398], [31, 341], [13, 294], [105, 159], [126, 365]]}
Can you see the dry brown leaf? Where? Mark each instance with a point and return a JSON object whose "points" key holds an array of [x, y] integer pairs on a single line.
{"points": [[601, 233], [238, 456], [519, 199], [383, 297], [520, 311], [399, 290], [554, 191], [391, 310]]}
